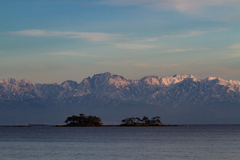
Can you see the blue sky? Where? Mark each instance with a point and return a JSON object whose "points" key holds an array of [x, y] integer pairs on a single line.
{"points": [[49, 41]]}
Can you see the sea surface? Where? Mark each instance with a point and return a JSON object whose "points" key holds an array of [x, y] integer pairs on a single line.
{"points": [[187, 142]]}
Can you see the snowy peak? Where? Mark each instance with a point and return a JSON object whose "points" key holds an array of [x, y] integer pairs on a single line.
{"points": [[100, 78], [221, 81], [11, 89], [182, 77], [15, 85], [104, 79], [211, 78], [69, 84], [8, 81], [151, 80], [118, 81], [166, 81], [150, 89], [15, 82]]}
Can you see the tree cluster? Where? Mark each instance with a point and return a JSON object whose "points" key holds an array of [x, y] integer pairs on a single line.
{"points": [[83, 120], [135, 121]]}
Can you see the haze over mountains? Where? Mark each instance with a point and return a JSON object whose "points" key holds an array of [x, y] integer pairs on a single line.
{"points": [[177, 99]]}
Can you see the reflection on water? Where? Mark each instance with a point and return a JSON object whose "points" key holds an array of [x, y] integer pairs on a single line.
{"points": [[140, 143]]}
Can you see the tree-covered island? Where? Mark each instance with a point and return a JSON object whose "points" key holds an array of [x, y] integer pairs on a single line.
{"points": [[92, 121], [83, 121], [145, 121]]}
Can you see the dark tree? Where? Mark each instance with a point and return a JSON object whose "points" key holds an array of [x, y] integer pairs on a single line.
{"points": [[156, 120], [83, 120], [138, 120], [144, 121]]}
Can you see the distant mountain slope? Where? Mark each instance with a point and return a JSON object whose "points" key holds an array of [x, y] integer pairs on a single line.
{"points": [[177, 90], [177, 94]]}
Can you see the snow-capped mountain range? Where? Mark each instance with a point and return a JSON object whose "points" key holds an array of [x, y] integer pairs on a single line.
{"points": [[176, 90], [178, 99]]}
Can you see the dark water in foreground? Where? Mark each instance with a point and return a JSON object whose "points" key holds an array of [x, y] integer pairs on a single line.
{"points": [[121, 143]]}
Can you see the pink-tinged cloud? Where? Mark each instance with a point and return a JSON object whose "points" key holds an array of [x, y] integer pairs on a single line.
{"points": [[154, 65], [73, 54], [108, 63], [178, 5], [32, 32], [188, 34], [178, 50], [237, 46], [90, 36], [133, 46]]}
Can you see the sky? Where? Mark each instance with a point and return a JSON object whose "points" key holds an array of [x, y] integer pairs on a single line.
{"points": [[48, 41]]}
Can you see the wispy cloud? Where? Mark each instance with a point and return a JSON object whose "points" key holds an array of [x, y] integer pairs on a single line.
{"points": [[37, 67], [237, 46], [96, 37], [109, 63], [1, 52], [188, 34], [186, 6], [132, 46], [73, 54], [185, 50], [90, 36], [178, 50], [154, 65], [231, 56], [226, 72], [112, 39], [141, 44], [32, 32], [194, 33]]}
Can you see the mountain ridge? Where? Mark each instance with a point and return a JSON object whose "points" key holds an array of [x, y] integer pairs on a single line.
{"points": [[178, 99], [117, 87]]}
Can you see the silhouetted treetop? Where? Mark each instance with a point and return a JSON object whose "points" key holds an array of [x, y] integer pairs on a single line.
{"points": [[135, 121], [83, 120]]}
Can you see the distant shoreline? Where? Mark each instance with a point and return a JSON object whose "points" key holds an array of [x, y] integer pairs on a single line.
{"points": [[119, 126], [92, 126]]}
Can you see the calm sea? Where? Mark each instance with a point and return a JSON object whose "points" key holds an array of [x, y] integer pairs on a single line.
{"points": [[191, 142]]}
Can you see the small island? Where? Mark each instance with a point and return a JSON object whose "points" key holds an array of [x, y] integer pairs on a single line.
{"points": [[92, 121], [145, 121], [83, 121]]}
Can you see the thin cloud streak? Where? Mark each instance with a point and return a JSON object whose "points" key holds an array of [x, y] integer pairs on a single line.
{"points": [[32, 32], [109, 63], [189, 34], [37, 67], [194, 33], [132, 46], [231, 56], [153, 65], [185, 50], [98, 37], [82, 55], [225, 72], [90, 36], [178, 50], [73, 54], [185, 6], [110, 38], [237, 46]]}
